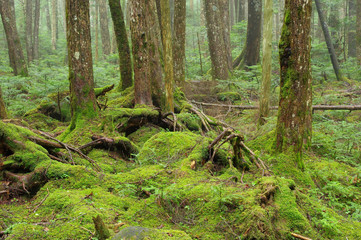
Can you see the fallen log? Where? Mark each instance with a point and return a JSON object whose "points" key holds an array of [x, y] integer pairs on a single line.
{"points": [[314, 107]]}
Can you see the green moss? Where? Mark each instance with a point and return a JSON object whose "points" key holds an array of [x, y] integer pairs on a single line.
{"points": [[191, 121], [229, 96]]}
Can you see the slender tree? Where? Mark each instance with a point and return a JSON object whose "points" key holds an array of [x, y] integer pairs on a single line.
{"points": [[82, 95], [352, 28], [126, 73], [216, 44], [331, 49], [96, 25], [16, 56], [3, 114], [251, 51], [167, 53], [48, 17], [179, 39], [358, 31], [54, 23], [36, 30], [226, 30], [266, 61], [29, 29], [295, 107], [104, 26]]}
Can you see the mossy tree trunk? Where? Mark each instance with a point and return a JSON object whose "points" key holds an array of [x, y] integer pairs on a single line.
{"points": [[104, 26], [266, 61], [251, 52], [16, 55], [331, 49], [126, 72], [82, 94], [140, 46], [294, 125], [36, 30], [3, 114], [358, 31], [179, 39], [54, 23], [167, 53], [216, 43], [29, 29]]}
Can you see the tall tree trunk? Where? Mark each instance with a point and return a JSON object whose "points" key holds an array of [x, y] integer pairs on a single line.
{"points": [[231, 13], [358, 31], [352, 29], [266, 61], [29, 29], [224, 15], [96, 30], [104, 27], [123, 45], [241, 10], [251, 51], [3, 114], [191, 6], [140, 47], [36, 30], [295, 107], [179, 39], [54, 23], [330, 47], [167, 53], [216, 41], [82, 96], [48, 17], [16, 56]]}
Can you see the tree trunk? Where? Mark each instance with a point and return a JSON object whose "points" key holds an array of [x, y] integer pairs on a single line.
{"points": [[96, 30], [104, 27], [167, 54], [216, 41], [48, 17], [266, 61], [224, 20], [16, 56], [330, 47], [82, 96], [36, 30], [54, 23], [140, 47], [179, 39], [241, 10], [123, 45], [29, 29], [231, 13], [295, 106], [3, 114], [358, 31], [352, 29]]}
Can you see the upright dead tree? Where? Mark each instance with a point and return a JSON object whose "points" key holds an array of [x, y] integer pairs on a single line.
{"points": [[3, 114], [294, 124], [36, 30], [104, 26], [126, 73], [16, 56], [251, 52], [266, 61], [358, 31], [179, 39], [330, 47], [82, 95], [29, 29], [216, 44]]}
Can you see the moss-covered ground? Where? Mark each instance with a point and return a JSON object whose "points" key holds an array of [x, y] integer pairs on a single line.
{"points": [[167, 188]]}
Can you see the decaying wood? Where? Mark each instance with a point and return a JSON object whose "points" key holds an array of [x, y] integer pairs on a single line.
{"points": [[104, 91], [101, 229], [300, 237], [314, 107]]}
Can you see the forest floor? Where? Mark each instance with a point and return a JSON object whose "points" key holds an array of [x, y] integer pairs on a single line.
{"points": [[152, 182]]}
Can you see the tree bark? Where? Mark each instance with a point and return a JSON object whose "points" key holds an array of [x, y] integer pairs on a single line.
{"points": [[266, 61], [123, 45], [141, 53], [96, 30], [104, 27], [358, 31], [224, 15], [29, 29], [330, 46], [216, 41], [294, 125], [48, 17], [352, 29], [16, 56], [36, 30], [54, 23], [3, 114], [179, 40], [82, 96]]}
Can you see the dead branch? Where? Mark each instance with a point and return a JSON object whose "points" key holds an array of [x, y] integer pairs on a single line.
{"points": [[300, 237], [42, 201], [104, 91]]}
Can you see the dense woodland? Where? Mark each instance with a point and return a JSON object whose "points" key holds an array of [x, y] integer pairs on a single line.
{"points": [[180, 119]]}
